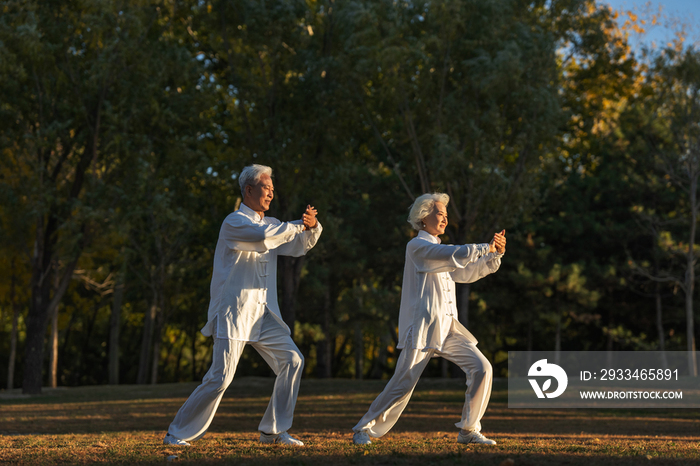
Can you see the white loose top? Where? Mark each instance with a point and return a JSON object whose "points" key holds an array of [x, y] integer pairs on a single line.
{"points": [[244, 281], [428, 300]]}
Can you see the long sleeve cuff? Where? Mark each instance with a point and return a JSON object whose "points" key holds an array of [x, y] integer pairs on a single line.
{"points": [[482, 248]]}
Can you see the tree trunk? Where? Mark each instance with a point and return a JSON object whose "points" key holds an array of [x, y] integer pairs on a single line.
{"points": [[444, 368], [289, 270], [557, 340], [41, 307], [146, 343], [463, 303], [53, 349], [13, 335], [339, 354], [156, 346], [114, 327], [82, 365], [34, 352], [359, 351], [609, 346], [178, 361], [660, 327], [38, 307], [66, 333], [529, 340], [379, 364], [659, 320], [46, 236], [324, 351], [194, 353], [659, 309], [690, 282], [156, 358]]}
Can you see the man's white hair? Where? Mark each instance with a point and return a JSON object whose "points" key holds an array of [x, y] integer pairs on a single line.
{"points": [[423, 206], [250, 176]]}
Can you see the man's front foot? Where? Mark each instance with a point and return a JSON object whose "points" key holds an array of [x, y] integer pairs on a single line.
{"points": [[170, 440], [361, 438], [466, 437], [281, 439]]}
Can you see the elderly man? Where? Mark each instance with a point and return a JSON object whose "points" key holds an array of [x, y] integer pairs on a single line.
{"points": [[243, 309], [428, 325]]}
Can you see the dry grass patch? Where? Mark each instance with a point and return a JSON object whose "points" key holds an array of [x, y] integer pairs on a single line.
{"points": [[126, 424]]}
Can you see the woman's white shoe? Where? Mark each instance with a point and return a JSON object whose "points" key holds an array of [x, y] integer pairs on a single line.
{"points": [[474, 437], [170, 440], [361, 438], [281, 439]]}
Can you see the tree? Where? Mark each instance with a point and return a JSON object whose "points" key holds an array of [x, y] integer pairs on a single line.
{"points": [[461, 97], [15, 251], [672, 133], [70, 98], [277, 105]]}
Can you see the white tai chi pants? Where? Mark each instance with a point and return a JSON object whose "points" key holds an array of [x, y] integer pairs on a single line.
{"points": [[277, 349], [388, 406]]}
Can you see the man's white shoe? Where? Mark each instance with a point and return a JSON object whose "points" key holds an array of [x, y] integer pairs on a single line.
{"points": [[170, 440], [280, 439], [361, 438], [473, 437]]}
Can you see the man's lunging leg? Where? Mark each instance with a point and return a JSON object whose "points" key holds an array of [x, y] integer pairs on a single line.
{"points": [[195, 416]]}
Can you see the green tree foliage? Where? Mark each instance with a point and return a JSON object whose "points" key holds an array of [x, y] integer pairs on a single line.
{"points": [[124, 126], [581, 236], [79, 79], [668, 138]]}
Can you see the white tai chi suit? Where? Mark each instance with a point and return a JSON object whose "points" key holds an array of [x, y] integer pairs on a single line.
{"points": [[243, 309], [428, 327]]}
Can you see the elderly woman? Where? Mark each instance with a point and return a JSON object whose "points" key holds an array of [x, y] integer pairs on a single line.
{"points": [[428, 325]]}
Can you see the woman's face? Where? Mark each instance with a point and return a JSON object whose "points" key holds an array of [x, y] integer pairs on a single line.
{"points": [[436, 222]]}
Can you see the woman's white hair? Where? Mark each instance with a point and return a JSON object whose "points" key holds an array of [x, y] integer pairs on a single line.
{"points": [[423, 206], [250, 176]]}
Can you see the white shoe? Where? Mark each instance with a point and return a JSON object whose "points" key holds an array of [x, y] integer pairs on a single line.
{"points": [[170, 440], [361, 438], [473, 437], [281, 439]]}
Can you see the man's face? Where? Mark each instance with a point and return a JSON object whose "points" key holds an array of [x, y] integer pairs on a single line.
{"points": [[259, 196]]}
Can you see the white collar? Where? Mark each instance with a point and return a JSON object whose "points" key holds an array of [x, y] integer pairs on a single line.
{"points": [[427, 236], [250, 213]]}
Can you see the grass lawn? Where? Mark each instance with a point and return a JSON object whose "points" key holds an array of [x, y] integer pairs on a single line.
{"points": [[126, 424]]}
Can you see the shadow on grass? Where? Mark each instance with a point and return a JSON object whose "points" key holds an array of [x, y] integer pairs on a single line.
{"points": [[125, 424], [323, 405], [452, 459]]}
